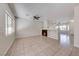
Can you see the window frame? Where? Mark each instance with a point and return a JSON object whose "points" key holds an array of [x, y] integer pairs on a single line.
{"points": [[8, 17]]}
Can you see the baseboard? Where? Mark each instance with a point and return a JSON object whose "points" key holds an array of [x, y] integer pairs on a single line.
{"points": [[27, 37], [53, 38], [8, 47], [76, 46]]}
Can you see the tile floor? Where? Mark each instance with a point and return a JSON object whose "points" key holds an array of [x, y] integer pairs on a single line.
{"points": [[40, 46]]}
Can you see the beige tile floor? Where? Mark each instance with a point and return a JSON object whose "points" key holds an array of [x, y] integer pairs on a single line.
{"points": [[40, 46]]}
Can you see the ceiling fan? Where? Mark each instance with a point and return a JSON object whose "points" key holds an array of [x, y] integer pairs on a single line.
{"points": [[36, 17]]}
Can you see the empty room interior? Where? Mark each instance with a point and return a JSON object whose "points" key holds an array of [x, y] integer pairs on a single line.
{"points": [[39, 29]]}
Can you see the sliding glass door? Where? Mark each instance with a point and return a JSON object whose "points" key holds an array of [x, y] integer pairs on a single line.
{"points": [[64, 34]]}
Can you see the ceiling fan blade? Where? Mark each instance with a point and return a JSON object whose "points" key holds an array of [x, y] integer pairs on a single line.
{"points": [[36, 17]]}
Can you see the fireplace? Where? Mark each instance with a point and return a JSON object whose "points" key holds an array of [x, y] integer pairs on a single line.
{"points": [[44, 32]]}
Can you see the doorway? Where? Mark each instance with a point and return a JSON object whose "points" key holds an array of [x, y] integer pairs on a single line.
{"points": [[64, 35]]}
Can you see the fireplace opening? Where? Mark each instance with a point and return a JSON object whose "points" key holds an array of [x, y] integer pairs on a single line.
{"points": [[44, 32]]}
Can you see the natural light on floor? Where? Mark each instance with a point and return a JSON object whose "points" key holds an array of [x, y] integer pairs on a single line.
{"points": [[64, 40]]}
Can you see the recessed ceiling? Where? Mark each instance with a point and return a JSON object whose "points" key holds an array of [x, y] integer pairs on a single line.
{"points": [[47, 11]]}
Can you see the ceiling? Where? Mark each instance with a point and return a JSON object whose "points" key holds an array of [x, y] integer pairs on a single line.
{"points": [[47, 11]]}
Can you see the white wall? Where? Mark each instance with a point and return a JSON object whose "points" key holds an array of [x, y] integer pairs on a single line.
{"points": [[71, 28], [76, 26], [27, 27], [53, 34], [5, 42], [45, 24]]}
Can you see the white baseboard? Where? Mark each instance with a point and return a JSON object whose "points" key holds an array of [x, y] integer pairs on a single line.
{"points": [[76, 46], [27, 36], [8, 48]]}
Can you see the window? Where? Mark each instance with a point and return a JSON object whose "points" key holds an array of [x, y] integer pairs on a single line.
{"points": [[64, 27], [9, 28]]}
